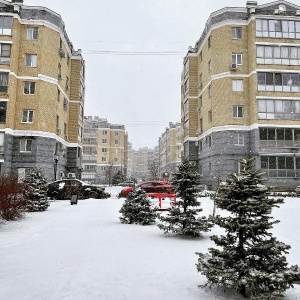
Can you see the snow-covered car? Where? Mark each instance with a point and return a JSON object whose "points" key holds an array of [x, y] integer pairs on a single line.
{"points": [[63, 189]]}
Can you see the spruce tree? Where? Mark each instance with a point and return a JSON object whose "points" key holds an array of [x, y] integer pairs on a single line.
{"points": [[248, 258], [182, 218], [36, 183], [138, 209]]}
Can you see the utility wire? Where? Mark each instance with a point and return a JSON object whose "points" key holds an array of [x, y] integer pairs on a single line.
{"points": [[136, 53]]}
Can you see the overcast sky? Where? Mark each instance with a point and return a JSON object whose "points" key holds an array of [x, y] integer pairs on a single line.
{"points": [[141, 92]]}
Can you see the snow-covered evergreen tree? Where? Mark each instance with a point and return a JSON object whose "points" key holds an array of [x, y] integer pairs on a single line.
{"points": [[183, 218], [138, 209], [36, 182], [248, 258]]}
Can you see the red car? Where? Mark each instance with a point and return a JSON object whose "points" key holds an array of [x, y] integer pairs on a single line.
{"points": [[150, 186]]}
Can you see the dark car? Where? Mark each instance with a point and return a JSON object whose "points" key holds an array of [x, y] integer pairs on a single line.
{"points": [[63, 189], [150, 186]]}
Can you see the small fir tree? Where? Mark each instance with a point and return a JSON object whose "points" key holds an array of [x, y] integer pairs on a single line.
{"points": [[248, 258], [37, 199], [182, 218], [138, 209]]}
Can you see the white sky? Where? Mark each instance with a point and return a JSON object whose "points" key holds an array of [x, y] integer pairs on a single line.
{"points": [[141, 92]]}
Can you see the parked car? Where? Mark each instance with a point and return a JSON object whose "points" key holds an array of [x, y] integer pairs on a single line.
{"points": [[63, 189], [150, 186], [297, 190]]}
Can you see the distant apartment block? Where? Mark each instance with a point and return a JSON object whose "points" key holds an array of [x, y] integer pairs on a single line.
{"points": [[141, 160], [170, 147], [241, 93], [41, 93], [105, 149]]}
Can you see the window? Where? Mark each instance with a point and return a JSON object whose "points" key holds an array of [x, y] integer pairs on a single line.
{"points": [[281, 55], [5, 25], [67, 83], [210, 116], [3, 109], [81, 91], [279, 137], [57, 122], [79, 133], [186, 67], [236, 32], [115, 159], [200, 169], [237, 111], [104, 141], [201, 125], [80, 112], [25, 145], [104, 150], [3, 83], [209, 141], [186, 128], [116, 142], [278, 28], [240, 139], [32, 33], [209, 66], [27, 116], [236, 58], [31, 60], [210, 91], [280, 82], [65, 128], [280, 109], [58, 95], [5, 54], [65, 104], [186, 87], [200, 82], [1, 143], [200, 56], [29, 88], [103, 158], [186, 106], [209, 167], [59, 72], [116, 133], [209, 42], [237, 85], [280, 166], [104, 132]]}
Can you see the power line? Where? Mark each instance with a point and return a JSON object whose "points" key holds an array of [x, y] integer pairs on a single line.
{"points": [[135, 53]]}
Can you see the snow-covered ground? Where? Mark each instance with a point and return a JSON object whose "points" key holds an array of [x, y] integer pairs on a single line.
{"points": [[75, 252]]}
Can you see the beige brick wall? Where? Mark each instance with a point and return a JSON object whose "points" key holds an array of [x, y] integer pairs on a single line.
{"points": [[44, 102]]}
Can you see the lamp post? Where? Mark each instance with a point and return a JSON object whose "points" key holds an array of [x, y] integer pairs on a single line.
{"points": [[55, 165]]}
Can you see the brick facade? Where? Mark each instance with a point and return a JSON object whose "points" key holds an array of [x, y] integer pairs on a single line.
{"points": [[44, 75], [227, 124]]}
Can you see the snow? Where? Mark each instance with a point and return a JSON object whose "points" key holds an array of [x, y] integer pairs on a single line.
{"points": [[84, 252]]}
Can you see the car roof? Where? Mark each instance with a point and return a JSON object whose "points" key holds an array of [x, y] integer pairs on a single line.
{"points": [[159, 181]]}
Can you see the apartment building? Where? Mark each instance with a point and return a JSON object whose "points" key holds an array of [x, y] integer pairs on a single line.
{"points": [[241, 93], [170, 147], [142, 159], [41, 93], [105, 150]]}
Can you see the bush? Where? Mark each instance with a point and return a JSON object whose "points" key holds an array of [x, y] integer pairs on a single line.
{"points": [[13, 196]]}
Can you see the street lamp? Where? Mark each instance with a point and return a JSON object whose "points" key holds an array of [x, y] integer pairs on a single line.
{"points": [[55, 165]]}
